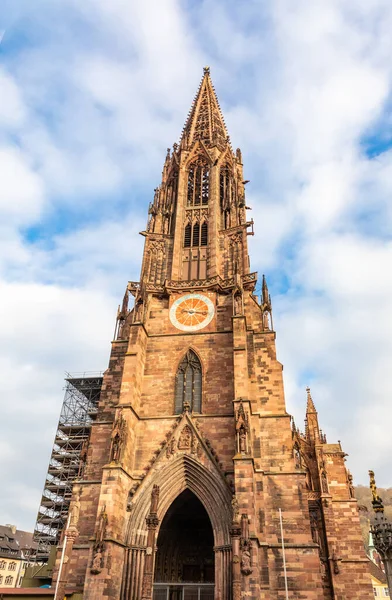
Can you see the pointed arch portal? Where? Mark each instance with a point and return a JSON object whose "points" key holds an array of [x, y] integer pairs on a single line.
{"points": [[184, 564], [187, 488]]}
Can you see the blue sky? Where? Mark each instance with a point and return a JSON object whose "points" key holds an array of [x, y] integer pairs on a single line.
{"points": [[92, 94]]}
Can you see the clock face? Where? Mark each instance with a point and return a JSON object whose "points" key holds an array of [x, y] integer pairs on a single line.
{"points": [[191, 312]]}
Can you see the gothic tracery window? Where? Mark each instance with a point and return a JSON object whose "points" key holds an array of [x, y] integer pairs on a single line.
{"points": [[198, 183], [188, 384]]}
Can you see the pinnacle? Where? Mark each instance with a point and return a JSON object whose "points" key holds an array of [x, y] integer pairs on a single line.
{"points": [[310, 408]]}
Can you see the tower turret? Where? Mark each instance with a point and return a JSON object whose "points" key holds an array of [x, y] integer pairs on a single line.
{"points": [[197, 226]]}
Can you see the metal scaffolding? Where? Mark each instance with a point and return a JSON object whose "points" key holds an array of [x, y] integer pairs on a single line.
{"points": [[82, 392]]}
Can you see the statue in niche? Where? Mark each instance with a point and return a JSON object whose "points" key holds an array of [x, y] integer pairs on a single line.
{"points": [[314, 527], [129, 502], [138, 311], [74, 518], [185, 440], [118, 437], [335, 560], [324, 482], [242, 428], [350, 485], [246, 568], [99, 544], [242, 439], [236, 510], [238, 304], [266, 324], [245, 545], [96, 566], [297, 457]]}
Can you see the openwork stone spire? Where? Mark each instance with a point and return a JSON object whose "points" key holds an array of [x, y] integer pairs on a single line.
{"points": [[205, 120]]}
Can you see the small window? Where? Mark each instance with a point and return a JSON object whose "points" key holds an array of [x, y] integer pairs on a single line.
{"points": [[386, 592]]}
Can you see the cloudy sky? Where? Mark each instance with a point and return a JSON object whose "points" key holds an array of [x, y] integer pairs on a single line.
{"points": [[91, 95]]}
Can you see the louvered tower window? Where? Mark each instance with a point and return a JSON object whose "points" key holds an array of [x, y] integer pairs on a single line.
{"points": [[187, 236], [204, 234], [188, 384], [196, 236]]}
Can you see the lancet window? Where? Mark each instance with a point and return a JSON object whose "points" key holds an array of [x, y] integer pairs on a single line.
{"points": [[188, 384], [198, 183]]}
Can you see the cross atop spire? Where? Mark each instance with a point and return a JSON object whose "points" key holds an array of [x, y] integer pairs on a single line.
{"points": [[205, 120]]}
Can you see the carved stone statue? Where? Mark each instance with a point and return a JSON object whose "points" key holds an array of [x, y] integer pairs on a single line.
{"points": [[324, 482], [96, 566], [195, 445], [297, 457], [242, 428], [118, 438], [242, 438], [235, 509], [238, 304], [350, 485], [101, 527], [99, 544], [74, 519], [246, 568]]}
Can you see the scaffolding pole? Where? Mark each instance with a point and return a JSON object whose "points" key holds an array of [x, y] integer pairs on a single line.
{"points": [[80, 405]]}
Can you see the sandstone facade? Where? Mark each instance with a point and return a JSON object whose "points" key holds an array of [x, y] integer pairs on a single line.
{"points": [[192, 457]]}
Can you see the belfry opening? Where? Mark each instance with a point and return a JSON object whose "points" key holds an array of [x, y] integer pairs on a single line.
{"points": [[184, 565]]}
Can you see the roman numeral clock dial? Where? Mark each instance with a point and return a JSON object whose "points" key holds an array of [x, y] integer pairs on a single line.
{"points": [[191, 312]]}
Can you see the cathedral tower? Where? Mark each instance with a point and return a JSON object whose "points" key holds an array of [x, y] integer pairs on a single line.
{"points": [[194, 469]]}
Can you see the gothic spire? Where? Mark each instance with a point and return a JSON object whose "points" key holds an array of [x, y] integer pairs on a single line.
{"points": [[205, 119]]}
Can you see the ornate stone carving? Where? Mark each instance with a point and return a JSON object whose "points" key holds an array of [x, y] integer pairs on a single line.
{"points": [[185, 439], [171, 447]]}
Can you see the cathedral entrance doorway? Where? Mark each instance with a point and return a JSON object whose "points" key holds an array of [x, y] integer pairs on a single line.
{"points": [[185, 565]]}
